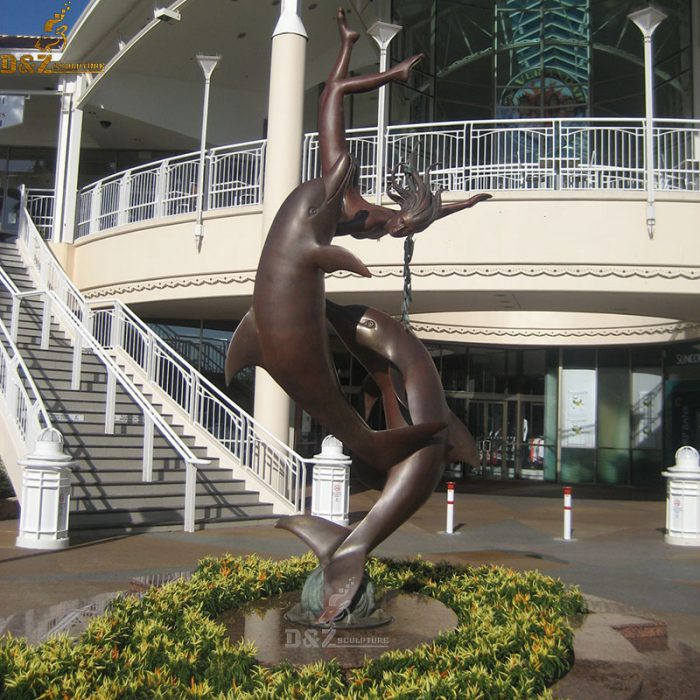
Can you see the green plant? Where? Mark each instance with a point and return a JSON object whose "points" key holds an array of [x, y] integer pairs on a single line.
{"points": [[512, 640]]}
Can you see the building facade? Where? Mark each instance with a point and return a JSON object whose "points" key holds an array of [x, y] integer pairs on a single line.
{"points": [[563, 314]]}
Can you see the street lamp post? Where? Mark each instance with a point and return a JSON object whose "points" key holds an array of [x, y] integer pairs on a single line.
{"points": [[207, 64], [382, 33], [647, 20]]}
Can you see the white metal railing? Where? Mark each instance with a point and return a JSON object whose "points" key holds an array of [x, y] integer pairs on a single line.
{"points": [[22, 400], [258, 451], [40, 205], [168, 187], [115, 327], [488, 155], [557, 154], [60, 302]]}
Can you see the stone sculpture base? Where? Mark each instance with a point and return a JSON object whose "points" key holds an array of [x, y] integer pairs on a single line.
{"points": [[417, 619], [362, 613]]}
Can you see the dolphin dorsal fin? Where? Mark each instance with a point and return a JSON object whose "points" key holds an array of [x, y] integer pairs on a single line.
{"points": [[244, 348], [331, 258]]}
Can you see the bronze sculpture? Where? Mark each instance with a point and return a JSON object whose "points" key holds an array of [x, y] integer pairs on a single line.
{"points": [[285, 332], [411, 390], [419, 205]]}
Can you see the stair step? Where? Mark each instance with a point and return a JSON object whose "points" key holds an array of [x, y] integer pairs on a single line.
{"points": [[117, 441], [125, 449], [125, 518], [126, 489], [108, 493], [125, 425], [105, 529], [130, 473], [172, 499]]}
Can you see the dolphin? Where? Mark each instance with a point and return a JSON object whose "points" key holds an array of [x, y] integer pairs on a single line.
{"points": [[411, 390], [285, 330], [403, 374]]}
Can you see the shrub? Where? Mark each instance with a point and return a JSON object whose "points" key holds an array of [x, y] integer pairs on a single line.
{"points": [[512, 640]]}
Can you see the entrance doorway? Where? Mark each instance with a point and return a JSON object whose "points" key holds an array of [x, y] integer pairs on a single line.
{"points": [[509, 433]]}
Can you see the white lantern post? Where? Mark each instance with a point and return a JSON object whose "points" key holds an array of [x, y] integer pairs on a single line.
{"points": [[382, 33], [647, 20], [207, 64]]}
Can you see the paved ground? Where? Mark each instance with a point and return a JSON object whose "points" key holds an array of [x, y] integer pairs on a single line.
{"points": [[618, 557]]}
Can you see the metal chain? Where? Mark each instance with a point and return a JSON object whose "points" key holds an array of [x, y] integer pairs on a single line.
{"points": [[407, 291]]}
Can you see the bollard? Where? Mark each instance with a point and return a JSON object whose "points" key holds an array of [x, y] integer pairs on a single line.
{"points": [[330, 491], [567, 512], [45, 494], [450, 526], [683, 499]]}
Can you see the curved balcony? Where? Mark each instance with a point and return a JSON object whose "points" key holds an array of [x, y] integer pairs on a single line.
{"points": [[592, 155]]}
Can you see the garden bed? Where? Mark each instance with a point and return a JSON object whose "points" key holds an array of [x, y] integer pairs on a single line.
{"points": [[513, 640]]}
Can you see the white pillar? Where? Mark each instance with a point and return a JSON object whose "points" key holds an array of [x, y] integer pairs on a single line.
{"points": [[695, 61], [282, 173], [70, 131]]}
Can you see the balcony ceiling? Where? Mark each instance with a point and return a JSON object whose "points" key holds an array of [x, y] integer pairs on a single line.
{"points": [[164, 57]]}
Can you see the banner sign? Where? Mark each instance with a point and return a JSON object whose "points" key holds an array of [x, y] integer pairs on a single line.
{"points": [[577, 418]]}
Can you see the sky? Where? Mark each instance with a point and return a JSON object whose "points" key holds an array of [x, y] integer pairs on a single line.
{"points": [[29, 16]]}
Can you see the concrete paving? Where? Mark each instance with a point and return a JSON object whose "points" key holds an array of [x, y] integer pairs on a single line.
{"points": [[617, 556]]}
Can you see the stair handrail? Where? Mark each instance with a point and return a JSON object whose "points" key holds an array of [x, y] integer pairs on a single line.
{"points": [[198, 391], [116, 375], [48, 271], [259, 452], [83, 339], [22, 398], [13, 291]]}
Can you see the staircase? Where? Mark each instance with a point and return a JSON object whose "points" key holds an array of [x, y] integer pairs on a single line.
{"points": [[109, 493]]}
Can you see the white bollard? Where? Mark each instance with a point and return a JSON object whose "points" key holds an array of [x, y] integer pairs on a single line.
{"points": [[450, 525], [567, 512], [683, 499], [330, 491], [45, 494]]}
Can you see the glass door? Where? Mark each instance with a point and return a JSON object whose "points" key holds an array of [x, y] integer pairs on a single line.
{"points": [[487, 421], [531, 442]]}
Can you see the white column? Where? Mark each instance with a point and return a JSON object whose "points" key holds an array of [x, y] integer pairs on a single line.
{"points": [[70, 131], [282, 173], [695, 60]]}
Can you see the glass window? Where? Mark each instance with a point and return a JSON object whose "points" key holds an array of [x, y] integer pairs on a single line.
{"points": [[539, 59]]}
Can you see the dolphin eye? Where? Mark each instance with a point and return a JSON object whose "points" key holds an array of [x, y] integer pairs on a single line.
{"points": [[312, 211], [368, 323]]}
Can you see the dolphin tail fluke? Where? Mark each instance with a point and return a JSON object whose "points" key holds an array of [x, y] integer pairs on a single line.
{"points": [[322, 536], [462, 447], [393, 446], [244, 349], [341, 580]]}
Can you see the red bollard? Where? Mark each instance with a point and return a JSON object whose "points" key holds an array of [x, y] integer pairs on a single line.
{"points": [[449, 527], [567, 512]]}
